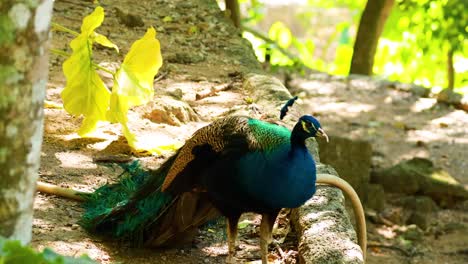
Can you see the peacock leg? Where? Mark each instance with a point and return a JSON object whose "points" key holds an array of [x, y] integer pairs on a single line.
{"points": [[266, 228], [232, 235]]}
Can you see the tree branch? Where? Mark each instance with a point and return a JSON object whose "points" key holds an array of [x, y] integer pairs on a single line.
{"points": [[270, 41]]}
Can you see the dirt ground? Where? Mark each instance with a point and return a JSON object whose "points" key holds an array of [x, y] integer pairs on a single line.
{"points": [[195, 64]]}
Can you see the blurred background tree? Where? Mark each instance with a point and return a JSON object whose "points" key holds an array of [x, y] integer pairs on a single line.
{"points": [[370, 28], [426, 42], [421, 41]]}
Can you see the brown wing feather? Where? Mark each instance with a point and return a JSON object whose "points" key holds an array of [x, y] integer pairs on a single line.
{"points": [[214, 135], [179, 223]]}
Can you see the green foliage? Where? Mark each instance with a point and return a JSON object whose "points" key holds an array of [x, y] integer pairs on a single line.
{"points": [[350, 4], [305, 49], [12, 252], [7, 30], [85, 93], [255, 11], [417, 37], [413, 47], [281, 34]]}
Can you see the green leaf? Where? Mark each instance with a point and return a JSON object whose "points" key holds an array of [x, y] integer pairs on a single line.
{"points": [[167, 19], [342, 59], [12, 252], [243, 224], [310, 46], [281, 34]]}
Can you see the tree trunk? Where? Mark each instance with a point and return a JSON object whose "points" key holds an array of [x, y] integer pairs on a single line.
{"points": [[450, 70], [23, 78], [370, 28], [233, 7]]}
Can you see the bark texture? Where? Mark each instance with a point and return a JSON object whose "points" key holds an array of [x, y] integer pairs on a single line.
{"points": [[24, 30], [370, 28], [233, 7], [450, 70]]}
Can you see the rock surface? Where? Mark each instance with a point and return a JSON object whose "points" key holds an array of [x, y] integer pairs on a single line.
{"points": [[352, 160], [450, 97], [419, 176], [375, 197], [168, 110]]}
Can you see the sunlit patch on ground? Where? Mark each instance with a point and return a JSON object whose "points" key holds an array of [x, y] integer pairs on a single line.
{"points": [[423, 104], [75, 160]]}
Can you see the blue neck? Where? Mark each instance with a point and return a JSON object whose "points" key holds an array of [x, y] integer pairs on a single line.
{"points": [[298, 136], [282, 178]]}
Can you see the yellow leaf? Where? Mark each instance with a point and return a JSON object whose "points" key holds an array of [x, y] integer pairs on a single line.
{"points": [[85, 92], [131, 138], [167, 19], [133, 82], [104, 41], [52, 105], [92, 21], [136, 74], [164, 148], [89, 125], [118, 109]]}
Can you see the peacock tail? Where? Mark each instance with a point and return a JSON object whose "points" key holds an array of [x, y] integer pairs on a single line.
{"points": [[103, 206], [136, 210]]}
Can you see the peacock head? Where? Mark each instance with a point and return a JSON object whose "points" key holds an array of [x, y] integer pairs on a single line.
{"points": [[309, 126]]}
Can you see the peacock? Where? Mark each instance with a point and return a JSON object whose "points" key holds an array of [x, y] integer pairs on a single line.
{"points": [[234, 165]]}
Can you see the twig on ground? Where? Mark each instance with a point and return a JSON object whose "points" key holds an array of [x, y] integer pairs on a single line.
{"points": [[214, 90], [160, 77], [393, 247]]}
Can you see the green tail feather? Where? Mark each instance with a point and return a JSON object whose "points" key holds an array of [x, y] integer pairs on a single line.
{"points": [[111, 211]]}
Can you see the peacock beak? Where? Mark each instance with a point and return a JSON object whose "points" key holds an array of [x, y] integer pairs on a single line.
{"points": [[321, 133]]}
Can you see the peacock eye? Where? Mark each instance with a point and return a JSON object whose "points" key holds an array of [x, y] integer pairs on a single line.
{"points": [[309, 127]]}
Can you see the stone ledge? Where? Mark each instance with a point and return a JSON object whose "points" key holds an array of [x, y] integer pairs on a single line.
{"points": [[325, 232]]}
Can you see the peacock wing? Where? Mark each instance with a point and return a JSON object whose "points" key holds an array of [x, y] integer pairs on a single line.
{"points": [[179, 223], [227, 135]]}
